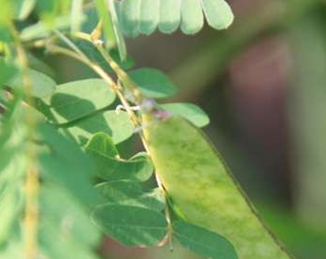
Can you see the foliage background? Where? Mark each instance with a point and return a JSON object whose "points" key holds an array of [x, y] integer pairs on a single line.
{"points": [[263, 85]]}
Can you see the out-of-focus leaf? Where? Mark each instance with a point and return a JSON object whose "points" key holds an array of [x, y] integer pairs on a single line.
{"points": [[117, 30], [153, 83], [65, 164], [149, 16], [192, 16], [42, 85], [8, 70], [77, 99], [71, 218], [126, 192], [203, 241], [189, 111], [129, 17], [110, 168], [218, 13], [130, 225], [42, 29], [170, 15], [76, 11], [117, 125], [24, 8]]}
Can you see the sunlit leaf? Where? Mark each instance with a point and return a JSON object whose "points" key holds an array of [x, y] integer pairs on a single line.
{"points": [[189, 111], [117, 125], [202, 190], [42, 85], [192, 16], [77, 99], [153, 83]]}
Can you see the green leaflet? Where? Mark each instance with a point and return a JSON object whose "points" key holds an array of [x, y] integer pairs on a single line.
{"points": [[169, 15], [126, 192], [189, 111], [117, 125], [131, 225], [203, 242], [77, 99], [149, 16], [202, 190], [112, 168], [144, 16], [192, 16], [42, 85], [129, 17], [218, 13], [153, 83]]}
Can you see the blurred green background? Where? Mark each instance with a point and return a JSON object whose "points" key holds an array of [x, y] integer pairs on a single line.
{"points": [[263, 84]]}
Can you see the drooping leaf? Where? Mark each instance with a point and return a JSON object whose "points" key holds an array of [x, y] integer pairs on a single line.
{"points": [[203, 241], [130, 225], [110, 168], [42, 85], [117, 125], [77, 99], [189, 111], [153, 83], [202, 190]]}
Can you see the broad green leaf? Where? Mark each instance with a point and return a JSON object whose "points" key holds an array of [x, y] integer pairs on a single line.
{"points": [[117, 125], [153, 83], [42, 85], [191, 16], [170, 15], [8, 70], [218, 13], [129, 17], [24, 8], [126, 192], [189, 111], [149, 16], [131, 226], [202, 190], [203, 241], [110, 168], [77, 99]]}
